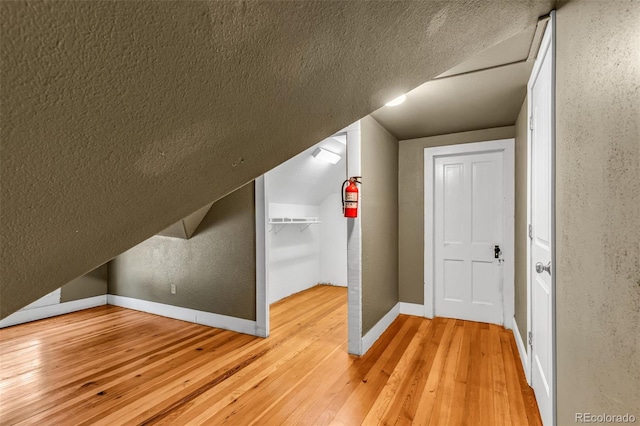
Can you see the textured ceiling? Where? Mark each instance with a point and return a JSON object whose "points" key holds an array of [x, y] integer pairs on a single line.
{"points": [[120, 118], [485, 91], [513, 49], [185, 227], [479, 100]]}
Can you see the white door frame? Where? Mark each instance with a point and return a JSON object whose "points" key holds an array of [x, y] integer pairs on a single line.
{"points": [[430, 154], [357, 344], [262, 256], [547, 46]]}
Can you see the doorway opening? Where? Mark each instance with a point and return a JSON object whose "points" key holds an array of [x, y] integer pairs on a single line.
{"points": [[304, 231]]}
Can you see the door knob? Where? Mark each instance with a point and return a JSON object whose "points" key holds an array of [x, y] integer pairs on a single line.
{"points": [[540, 267]]}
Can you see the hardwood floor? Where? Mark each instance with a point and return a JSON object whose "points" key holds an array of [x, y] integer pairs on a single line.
{"points": [[114, 366]]}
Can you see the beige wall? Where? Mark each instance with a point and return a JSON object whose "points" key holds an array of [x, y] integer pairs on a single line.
{"points": [[92, 284], [411, 204], [598, 208], [214, 271], [520, 223], [379, 211]]}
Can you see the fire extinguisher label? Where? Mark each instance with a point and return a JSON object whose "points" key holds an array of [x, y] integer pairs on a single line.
{"points": [[351, 196], [351, 205]]}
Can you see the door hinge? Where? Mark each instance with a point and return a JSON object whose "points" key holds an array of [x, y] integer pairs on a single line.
{"points": [[531, 339], [531, 122], [530, 231]]}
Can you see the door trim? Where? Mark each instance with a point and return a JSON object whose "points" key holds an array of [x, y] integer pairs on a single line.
{"points": [[547, 46], [262, 256], [357, 343], [430, 154]]}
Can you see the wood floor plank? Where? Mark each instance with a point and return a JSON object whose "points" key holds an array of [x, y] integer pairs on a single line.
{"points": [[113, 366], [502, 414], [356, 406], [516, 403], [486, 388], [416, 377], [322, 376], [276, 376], [139, 368], [432, 389], [389, 393], [458, 413], [323, 411], [443, 404]]}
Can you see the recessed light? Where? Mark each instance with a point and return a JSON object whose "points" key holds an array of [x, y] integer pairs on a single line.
{"points": [[328, 156], [397, 101]]}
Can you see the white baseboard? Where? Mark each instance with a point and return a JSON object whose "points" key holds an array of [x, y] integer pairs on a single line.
{"points": [[521, 349], [49, 311], [185, 314], [333, 284], [412, 309], [374, 334]]}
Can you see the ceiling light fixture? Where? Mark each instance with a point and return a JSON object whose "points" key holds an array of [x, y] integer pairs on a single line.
{"points": [[328, 156], [397, 101]]}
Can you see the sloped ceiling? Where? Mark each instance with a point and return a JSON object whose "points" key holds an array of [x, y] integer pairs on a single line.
{"points": [[185, 227], [512, 50], [480, 100], [119, 118], [305, 179], [485, 91]]}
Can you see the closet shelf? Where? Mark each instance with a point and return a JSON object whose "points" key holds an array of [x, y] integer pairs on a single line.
{"points": [[308, 221], [293, 220]]}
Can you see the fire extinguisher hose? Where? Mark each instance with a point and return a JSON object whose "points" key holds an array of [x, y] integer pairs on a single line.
{"points": [[342, 193]]}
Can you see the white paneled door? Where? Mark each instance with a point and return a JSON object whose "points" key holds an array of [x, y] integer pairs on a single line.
{"points": [[469, 222], [541, 228], [469, 231]]}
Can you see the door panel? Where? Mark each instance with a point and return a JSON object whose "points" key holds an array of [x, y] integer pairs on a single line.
{"points": [[454, 226], [453, 280], [485, 285], [542, 354], [482, 212], [469, 221]]}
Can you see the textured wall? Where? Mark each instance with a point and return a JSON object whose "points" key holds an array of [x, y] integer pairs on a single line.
{"points": [[379, 211], [411, 204], [520, 223], [120, 118], [214, 270], [89, 285], [598, 208]]}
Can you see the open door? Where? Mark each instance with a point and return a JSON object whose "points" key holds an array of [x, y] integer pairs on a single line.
{"points": [[541, 210]]}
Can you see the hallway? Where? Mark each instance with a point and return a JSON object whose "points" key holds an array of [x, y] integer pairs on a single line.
{"points": [[110, 365]]}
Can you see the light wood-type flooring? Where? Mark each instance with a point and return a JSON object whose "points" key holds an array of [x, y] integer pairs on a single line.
{"points": [[114, 366]]}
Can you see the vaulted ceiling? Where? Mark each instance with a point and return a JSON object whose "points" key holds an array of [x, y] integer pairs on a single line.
{"points": [[305, 179], [121, 118], [485, 91]]}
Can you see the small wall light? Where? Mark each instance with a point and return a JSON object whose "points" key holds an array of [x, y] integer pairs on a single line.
{"points": [[397, 101], [328, 156]]}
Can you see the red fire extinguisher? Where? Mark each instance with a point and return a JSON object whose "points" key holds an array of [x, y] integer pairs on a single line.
{"points": [[350, 197]]}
